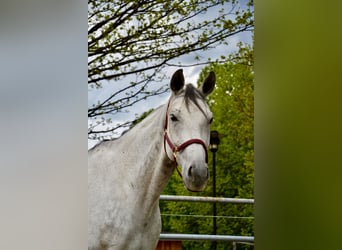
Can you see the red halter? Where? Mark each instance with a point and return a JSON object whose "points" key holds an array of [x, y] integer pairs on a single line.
{"points": [[175, 149]]}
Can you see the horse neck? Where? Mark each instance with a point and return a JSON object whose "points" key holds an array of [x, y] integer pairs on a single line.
{"points": [[154, 167]]}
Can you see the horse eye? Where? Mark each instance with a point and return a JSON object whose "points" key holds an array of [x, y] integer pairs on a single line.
{"points": [[211, 120], [174, 118]]}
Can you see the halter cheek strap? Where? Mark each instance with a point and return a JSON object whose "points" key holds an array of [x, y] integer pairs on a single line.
{"points": [[175, 149]]}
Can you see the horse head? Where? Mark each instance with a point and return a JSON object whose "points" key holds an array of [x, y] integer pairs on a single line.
{"points": [[187, 129]]}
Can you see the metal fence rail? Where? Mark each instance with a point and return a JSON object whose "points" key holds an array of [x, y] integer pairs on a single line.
{"points": [[233, 238], [206, 237], [205, 199]]}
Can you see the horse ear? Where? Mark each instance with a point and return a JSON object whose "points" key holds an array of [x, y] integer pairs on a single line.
{"points": [[209, 84], [177, 81]]}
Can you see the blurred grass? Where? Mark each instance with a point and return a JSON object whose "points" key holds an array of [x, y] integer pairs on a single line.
{"points": [[298, 125]]}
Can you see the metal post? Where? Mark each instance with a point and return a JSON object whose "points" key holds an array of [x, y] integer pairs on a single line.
{"points": [[214, 142], [214, 195]]}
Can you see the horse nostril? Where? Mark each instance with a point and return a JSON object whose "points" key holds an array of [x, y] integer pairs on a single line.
{"points": [[190, 171]]}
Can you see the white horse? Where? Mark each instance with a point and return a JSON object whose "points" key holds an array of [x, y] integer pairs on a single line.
{"points": [[126, 176]]}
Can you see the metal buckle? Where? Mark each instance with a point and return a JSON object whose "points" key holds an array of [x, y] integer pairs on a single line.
{"points": [[174, 154]]}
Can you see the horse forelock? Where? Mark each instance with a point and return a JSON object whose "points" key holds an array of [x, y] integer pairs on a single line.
{"points": [[192, 94]]}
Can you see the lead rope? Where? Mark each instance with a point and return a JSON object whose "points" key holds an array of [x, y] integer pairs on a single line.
{"points": [[178, 171], [177, 166]]}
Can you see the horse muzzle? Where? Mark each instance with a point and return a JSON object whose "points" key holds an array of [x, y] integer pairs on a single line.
{"points": [[196, 177]]}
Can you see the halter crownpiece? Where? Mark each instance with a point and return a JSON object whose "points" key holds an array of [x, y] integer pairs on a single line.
{"points": [[175, 149]]}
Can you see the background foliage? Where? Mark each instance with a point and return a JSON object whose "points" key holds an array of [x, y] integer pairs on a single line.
{"points": [[232, 103], [130, 43]]}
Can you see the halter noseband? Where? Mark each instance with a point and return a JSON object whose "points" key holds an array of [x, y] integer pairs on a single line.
{"points": [[175, 149]]}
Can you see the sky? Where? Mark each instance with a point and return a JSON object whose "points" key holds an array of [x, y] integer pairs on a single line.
{"points": [[191, 75]]}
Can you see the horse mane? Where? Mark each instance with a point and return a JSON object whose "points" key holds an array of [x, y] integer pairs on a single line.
{"points": [[192, 94]]}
